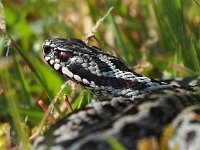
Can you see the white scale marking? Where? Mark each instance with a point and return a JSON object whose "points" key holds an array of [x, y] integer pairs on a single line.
{"points": [[53, 45], [115, 91], [56, 66], [47, 43], [124, 92], [52, 62], [47, 58], [92, 69], [57, 60], [92, 84], [84, 65], [77, 78], [66, 71], [99, 74], [62, 64], [110, 88], [80, 61], [93, 63], [113, 67], [62, 49], [73, 59], [136, 92], [105, 74], [85, 81]]}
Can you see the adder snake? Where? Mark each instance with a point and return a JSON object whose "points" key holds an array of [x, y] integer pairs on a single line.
{"points": [[128, 108]]}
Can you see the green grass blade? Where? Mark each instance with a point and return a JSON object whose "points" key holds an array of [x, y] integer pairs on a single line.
{"points": [[116, 145], [23, 81], [119, 39], [14, 112], [195, 58], [32, 68]]}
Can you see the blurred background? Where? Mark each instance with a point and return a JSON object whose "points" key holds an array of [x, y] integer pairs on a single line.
{"points": [[158, 38]]}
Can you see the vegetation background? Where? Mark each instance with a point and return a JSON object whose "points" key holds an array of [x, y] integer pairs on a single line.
{"points": [[158, 38]]}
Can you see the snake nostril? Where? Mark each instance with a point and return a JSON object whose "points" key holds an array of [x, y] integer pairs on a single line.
{"points": [[46, 49]]}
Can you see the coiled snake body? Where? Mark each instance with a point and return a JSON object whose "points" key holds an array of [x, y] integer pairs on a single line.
{"points": [[128, 108]]}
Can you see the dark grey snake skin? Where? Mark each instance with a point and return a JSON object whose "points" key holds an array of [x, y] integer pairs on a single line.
{"points": [[128, 106]]}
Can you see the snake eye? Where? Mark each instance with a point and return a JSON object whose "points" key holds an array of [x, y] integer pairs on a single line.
{"points": [[63, 56], [46, 49]]}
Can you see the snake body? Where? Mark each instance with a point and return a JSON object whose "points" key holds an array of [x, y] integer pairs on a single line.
{"points": [[128, 107]]}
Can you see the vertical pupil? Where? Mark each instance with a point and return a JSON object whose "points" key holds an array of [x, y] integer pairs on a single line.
{"points": [[63, 56]]}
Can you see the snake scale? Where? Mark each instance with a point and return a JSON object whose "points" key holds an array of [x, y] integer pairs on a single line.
{"points": [[129, 109]]}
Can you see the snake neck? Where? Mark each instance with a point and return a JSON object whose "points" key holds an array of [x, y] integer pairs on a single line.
{"points": [[129, 89], [119, 81]]}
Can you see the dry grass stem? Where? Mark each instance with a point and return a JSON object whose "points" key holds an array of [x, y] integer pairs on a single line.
{"points": [[93, 31]]}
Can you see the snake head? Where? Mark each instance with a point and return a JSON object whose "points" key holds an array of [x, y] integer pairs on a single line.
{"points": [[70, 57], [82, 63], [86, 65]]}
